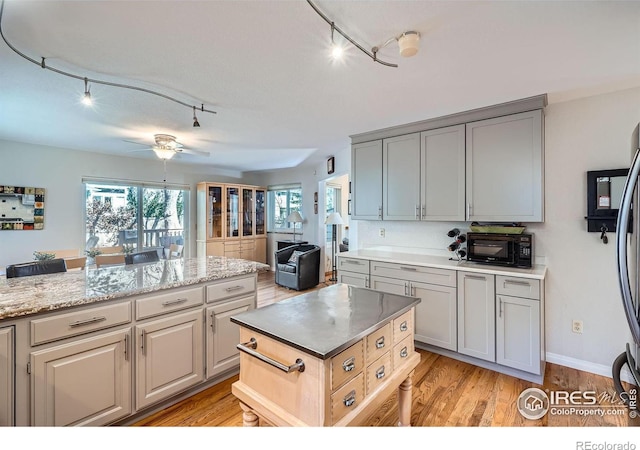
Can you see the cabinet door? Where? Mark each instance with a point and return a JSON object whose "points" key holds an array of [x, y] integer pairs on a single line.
{"points": [[214, 211], [248, 249], [169, 357], [366, 180], [6, 376], [401, 177], [261, 250], [518, 333], [442, 171], [261, 217], [223, 336], [87, 382], [233, 201], [436, 315], [476, 315], [505, 168], [390, 285], [353, 278], [248, 211]]}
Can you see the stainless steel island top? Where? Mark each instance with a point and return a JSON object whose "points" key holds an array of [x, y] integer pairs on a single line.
{"points": [[322, 323]]}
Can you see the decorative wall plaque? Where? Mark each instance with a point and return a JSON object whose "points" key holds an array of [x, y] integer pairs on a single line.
{"points": [[21, 208]]}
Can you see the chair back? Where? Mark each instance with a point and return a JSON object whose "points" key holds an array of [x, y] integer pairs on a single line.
{"points": [[76, 263], [175, 251], [66, 253], [142, 257], [109, 250], [36, 268], [109, 260]]}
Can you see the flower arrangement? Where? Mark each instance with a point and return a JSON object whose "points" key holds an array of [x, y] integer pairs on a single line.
{"points": [[43, 256], [127, 249], [93, 252]]}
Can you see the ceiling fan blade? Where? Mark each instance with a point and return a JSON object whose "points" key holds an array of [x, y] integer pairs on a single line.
{"points": [[194, 152], [136, 142]]}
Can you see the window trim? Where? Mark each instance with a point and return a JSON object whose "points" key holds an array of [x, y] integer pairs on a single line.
{"points": [[271, 217]]}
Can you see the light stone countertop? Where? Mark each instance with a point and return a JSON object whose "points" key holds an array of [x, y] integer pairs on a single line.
{"points": [[537, 272], [24, 296]]}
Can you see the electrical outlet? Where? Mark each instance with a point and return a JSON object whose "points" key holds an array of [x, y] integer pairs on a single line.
{"points": [[381, 232], [576, 326]]}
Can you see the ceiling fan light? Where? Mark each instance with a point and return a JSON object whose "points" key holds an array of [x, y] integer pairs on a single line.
{"points": [[409, 42], [163, 153]]}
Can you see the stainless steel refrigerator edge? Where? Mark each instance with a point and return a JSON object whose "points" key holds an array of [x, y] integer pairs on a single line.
{"points": [[628, 259]]}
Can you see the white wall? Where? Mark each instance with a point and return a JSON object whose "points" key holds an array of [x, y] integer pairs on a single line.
{"points": [[60, 172], [592, 133]]}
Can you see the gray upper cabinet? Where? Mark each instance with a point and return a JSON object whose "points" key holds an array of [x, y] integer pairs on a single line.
{"points": [[504, 159], [366, 180], [442, 186], [401, 177]]}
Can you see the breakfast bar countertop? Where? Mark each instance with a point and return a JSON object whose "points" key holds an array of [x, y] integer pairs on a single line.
{"points": [[40, 293], [324, 322]]}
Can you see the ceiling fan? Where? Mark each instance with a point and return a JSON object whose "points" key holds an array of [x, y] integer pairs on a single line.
{"points": [[166, 147]]}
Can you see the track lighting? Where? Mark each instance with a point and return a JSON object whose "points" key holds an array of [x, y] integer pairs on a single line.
{"points": [[407, 41], [86, 100], [195, 119]]}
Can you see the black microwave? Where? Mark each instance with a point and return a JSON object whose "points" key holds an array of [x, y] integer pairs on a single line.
{"points": [[513, 250]]}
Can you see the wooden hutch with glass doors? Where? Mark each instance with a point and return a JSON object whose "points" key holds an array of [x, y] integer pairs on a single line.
{"points": [[232, 221]]}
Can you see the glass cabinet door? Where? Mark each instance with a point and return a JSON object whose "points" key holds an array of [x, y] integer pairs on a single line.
{"points": [[214, 221], [260, 211], [247, 211], [233, 211]]}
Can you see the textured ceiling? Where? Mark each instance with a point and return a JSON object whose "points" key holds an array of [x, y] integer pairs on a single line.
{"points": [[263, 66]]}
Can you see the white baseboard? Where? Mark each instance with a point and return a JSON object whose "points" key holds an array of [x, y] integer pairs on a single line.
{"points": [[586, 366]]}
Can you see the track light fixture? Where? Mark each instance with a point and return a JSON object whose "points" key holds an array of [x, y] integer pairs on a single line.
{"points": [[336, 50], [87, 94], [407, 41], [195, 119], [86, 99]]}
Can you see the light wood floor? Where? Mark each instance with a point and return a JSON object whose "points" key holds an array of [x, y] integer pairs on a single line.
{"points": [[446, 392]]}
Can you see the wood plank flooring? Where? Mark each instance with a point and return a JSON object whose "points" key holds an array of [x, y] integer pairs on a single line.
{"points": [[446, 393]]}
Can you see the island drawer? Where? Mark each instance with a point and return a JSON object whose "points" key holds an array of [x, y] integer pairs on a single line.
{"points": [[421, 274], [353, 265], [174, 300], [403, 326], [347, 364], [75, 323], [402, 352], [378, 372], [518, 287], [230, 288], [347, 398], [378, 342]]}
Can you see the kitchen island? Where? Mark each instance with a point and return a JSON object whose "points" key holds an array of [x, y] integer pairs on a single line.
{"points": [[326, 358], [111, 345]]}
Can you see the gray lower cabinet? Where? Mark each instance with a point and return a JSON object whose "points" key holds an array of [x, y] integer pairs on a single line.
{"points": [[7, 368], [222, 336], [353, 278], [476, 315], [353, 271], [436, 315], [518, 333], [168, 356], [85, 382], [366, 180]]}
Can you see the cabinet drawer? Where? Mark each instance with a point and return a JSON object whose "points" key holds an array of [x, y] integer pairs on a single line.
{"points": [[347, 398], [441, 277], [230, 288], [154, 305], [353, 265], [79, 322], [347, 364], [378, 343], [232, 246], [518, 287], [378, 372], [403, 326], [402, 352]]}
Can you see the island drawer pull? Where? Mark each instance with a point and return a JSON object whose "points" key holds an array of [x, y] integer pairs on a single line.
{"points": [[249, 348], [380, 373], [174, 302], [404, 352], [233, 288], [79, 323], [349, 364], [404, 326], [380, 342], [349, 399]]}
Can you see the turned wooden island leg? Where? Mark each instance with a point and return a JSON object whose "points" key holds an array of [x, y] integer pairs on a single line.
{"points": [[249, 418], [404, 401]]}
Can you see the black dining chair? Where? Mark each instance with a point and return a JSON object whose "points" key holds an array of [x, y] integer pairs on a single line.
{"points": [[142, 257], [36, 268]]}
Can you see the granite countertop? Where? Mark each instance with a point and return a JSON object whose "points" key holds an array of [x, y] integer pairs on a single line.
{"points": [[324, 322], [39, 293], [538, 271]]}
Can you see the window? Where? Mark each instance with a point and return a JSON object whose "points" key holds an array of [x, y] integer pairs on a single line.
{"points": [[145, 216], [282, 201]]}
